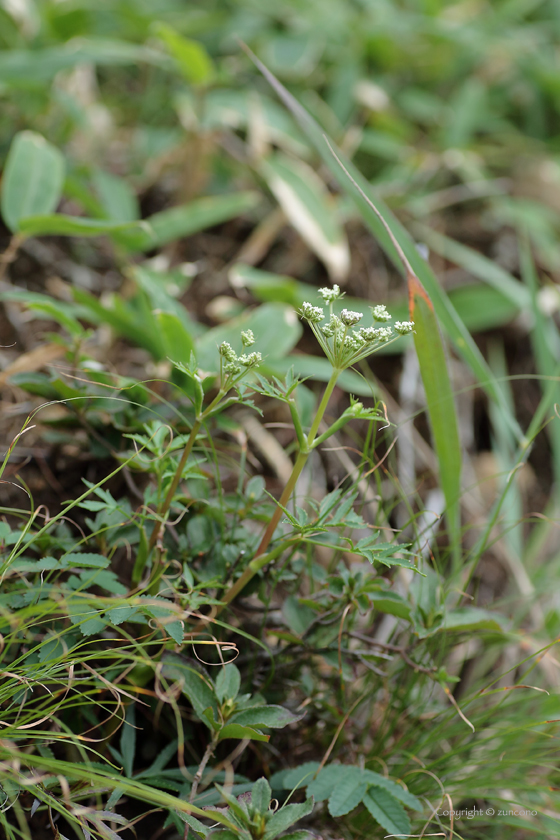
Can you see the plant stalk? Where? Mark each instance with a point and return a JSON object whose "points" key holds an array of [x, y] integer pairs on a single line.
{"points": [[174, 484], [254, 566]]}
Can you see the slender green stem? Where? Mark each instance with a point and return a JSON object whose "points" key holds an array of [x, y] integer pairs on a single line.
{"points": [[261, 558], [323, 406], [162, 511], [164, 508]]}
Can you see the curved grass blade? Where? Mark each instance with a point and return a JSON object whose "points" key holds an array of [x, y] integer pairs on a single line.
{"points": [[360, 190]]}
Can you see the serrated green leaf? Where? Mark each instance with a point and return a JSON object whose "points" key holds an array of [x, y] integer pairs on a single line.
{"points": [[119, 614], [326, 781], [387, 811], [348, 791], [52, 649], [176, 630], [32, 179], [393, 788], [95, 561], [301, 776]]}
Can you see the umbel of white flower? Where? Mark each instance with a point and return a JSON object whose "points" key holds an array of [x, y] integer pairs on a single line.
{"points": [[342, 344]]}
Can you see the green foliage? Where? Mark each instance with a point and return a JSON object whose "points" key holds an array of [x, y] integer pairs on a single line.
{"points": [[158, 194]]}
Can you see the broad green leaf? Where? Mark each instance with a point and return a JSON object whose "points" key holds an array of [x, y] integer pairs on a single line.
{"points": [[58, 224], [187, 219], [298, 835], [191, 57], [393, 788], [272, 717], [119, 614], [348, 792], [326, 781], [58, 312], [473, 618], [133, 320], [127, 744], [311, 210], [391, 603], [85, 616], [196, 825], [448, 316], [227, 683], [117, 198], [40, 65], [266, 286], [297, 617], [276, 327], [317, 367], [178, 342], [286, 817], [235, 730], [193, 685], [301, 776], [387, 811], [176, 630], [261, 796], [97, 561], [32, 179], [52, 649], [439, 397]]}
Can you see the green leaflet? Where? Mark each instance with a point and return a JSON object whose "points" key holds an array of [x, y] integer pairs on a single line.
{"points": [[32, 179], [387, 811]]}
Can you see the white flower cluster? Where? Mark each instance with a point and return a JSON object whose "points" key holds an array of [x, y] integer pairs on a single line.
{"points": [[404, 327], [343, 345], [311, 313], [330, 295], [247, 338], [349, 318], [232, 363], [380, 313]]}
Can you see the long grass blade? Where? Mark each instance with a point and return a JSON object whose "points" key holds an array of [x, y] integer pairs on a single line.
{"points": [[445, 311]]}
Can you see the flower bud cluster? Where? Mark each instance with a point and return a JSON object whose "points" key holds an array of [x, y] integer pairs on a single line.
{"points": [[313, 314], [232, 363], [330, 295], [379, 313], [343, 345], [404, 327], [247, 338], [349, 318]]}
